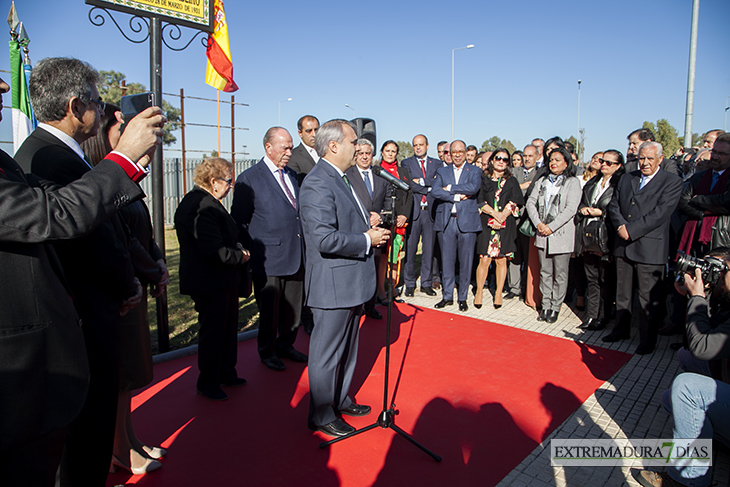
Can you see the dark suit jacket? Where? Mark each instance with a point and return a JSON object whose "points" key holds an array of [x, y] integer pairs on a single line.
{"points": [[301, 162], [340, 270], [271, 229], [43, 366], [470, 182], [380, 189], [403, 199], [208, 236], [416, 172], [646, 214], [98, 266]]}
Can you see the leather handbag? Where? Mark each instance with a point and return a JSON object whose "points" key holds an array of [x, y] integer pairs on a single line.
{"points": [[527, 228], [594, 237]]}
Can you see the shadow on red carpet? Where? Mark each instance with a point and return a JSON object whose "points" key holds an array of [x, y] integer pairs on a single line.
{"points": [[480, 395]]}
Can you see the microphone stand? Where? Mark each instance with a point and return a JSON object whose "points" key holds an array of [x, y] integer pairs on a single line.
{"points": [[386, 419]]}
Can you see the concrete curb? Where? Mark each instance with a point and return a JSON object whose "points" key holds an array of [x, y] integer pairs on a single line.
{"points": [[193, 349]]}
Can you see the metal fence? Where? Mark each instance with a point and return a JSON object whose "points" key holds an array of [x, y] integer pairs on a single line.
{"points": [[173, 183]]}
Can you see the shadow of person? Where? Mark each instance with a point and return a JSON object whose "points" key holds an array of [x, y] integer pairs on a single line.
{"points": [[373, 340], [602, 365], [478, 447]]}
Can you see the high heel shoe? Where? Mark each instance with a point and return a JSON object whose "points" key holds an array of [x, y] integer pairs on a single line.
{"points": [[154, 452], [150, 465], [477, 306], [497, 306]]}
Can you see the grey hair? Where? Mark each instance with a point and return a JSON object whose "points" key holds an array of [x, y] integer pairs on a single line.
{"points": [[54, 81], [651, 144], [271, 132], [368, 143], [330, 131]]}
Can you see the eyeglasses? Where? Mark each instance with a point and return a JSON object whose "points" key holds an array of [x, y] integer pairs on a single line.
{"points": [[228, 181], [101, 105], [504, 159], [608, 163]]}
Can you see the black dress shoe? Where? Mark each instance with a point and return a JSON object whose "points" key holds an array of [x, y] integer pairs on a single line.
{"points": [[511, 295], [587, 322], [644, 350], [356, 410], [213, 394], [336, 428], [463, 306], [671, 330], [428, 291], [374, 314], [274, 363], [294, 355], [596, 325], [238, 381], [551, 317], [410, 291], [611, 338], [444, 302], [543, 315]]}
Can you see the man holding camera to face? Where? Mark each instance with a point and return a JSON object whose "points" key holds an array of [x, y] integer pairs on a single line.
{"points": [[700, 404]]}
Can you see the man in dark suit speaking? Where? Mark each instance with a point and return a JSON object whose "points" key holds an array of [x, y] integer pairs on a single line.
{"points": [[641, 209], [339, 276]]}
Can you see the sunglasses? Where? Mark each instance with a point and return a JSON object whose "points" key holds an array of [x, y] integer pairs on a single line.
{"points": [[609, 163], [504, 159]]}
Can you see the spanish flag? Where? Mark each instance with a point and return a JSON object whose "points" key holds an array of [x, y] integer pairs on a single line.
{"points": [[219, 69]]}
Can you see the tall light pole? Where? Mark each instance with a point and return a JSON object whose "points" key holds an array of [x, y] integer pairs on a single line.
{"points": [[353, 110], [470, 46], [280, 102], [577, 130], [689, 110], [724, 127]]}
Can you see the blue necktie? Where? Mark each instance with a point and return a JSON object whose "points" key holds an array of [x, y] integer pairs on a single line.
{"points": [[715, 177], [366, 178]]}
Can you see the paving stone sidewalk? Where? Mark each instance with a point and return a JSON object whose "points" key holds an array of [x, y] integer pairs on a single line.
{"points": [[625, 406]]}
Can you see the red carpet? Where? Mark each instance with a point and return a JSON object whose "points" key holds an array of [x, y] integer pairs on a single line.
{"points": [[478, 394]]}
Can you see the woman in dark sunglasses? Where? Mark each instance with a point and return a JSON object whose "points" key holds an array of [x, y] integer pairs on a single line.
{"points": [[499, 200]]}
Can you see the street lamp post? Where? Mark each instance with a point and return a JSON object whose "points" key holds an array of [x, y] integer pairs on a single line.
{"points": [[280, 102], [470, 46], [577, 131], [353, 110]]}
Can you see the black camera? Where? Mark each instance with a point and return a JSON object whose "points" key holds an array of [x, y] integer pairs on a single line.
{"points": [[711, 268]]}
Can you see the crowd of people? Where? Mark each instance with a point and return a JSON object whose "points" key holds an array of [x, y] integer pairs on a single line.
{"points": [[309, 232]]}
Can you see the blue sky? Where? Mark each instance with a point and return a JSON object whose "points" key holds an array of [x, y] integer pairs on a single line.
{"points": [[391, 61]]}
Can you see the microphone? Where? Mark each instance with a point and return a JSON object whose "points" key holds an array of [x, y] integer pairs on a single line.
{"points": [[379, 171]]}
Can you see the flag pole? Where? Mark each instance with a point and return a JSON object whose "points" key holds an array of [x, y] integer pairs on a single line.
{"points": [[218, 105]]}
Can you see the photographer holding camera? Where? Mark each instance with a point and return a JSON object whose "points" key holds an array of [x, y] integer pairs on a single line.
{"points": [[700, 404]]}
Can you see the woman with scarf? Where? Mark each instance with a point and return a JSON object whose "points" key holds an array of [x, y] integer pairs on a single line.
{"points": [[499, 200], [401, 213], [551, 207]]}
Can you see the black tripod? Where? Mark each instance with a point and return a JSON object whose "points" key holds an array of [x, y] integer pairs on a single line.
{"points": [[386, 419]]}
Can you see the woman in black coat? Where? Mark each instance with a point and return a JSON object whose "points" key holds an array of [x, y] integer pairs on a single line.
{"points": [[600, 275], [499, 200], [210, 260], [135, 350]]}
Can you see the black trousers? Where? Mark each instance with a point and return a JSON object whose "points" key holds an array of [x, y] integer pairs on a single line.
{"points": [[279, 299], [33, 463], [90, 437], [649, 281], [217, 338], [600, 286]]}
